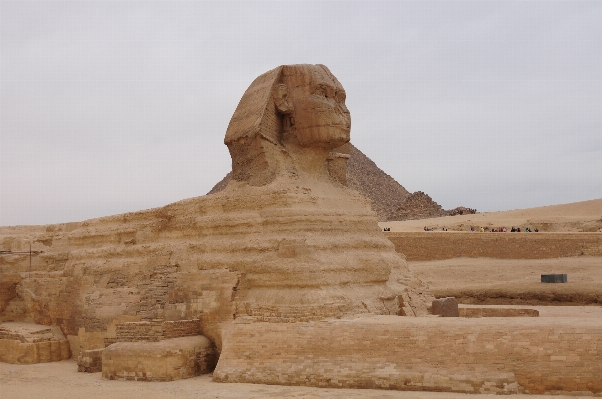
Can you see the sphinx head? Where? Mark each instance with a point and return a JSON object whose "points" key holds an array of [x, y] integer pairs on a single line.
{"points": [[287, 114]]}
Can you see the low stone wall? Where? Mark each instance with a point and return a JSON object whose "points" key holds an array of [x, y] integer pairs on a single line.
{"points": [[15, 351], [142, 331], [167, 360], [181, 328], [154, 331], [424, 246], [29, 343], [484, 355], [497, 312]]}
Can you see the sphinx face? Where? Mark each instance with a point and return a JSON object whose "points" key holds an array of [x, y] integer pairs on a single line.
{"points": [[320, 116]]}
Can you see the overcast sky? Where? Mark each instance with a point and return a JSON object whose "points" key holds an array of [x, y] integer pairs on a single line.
{"points": [[112, 107]]}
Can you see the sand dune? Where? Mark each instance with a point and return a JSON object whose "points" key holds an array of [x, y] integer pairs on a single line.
{"points": [[572, 217]]}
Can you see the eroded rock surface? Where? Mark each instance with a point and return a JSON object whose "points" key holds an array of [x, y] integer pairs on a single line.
{"points": [[285, 241]]}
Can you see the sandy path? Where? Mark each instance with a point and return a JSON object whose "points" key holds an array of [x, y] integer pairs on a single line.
{"points": [[514, 280], [60, 380]]}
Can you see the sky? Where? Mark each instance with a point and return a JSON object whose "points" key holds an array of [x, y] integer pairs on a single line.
{"points": [[113, 107]]}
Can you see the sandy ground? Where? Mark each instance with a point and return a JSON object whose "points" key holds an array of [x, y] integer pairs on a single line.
{"points": [[513, 281], [61, 380], [573, 217]]}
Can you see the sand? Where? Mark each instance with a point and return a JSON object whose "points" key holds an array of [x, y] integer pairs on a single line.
{"points": [[514, 281], [60, 380], [573, 217]]}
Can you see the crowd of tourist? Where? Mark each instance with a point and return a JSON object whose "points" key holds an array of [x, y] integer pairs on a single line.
{"points": [[492, 230], [504, 230]]}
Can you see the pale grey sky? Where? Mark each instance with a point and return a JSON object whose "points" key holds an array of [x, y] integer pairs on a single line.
{"points": [[111, 107]]}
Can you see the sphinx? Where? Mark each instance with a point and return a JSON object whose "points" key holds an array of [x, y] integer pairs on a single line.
{"points": [[288, 121], [286, 241]]}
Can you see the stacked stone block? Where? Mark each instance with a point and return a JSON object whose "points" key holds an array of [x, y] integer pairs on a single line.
{"points": [[167, 360], [90, 361], [158, 351], [29, 343], [497, 312], [155, 331], [447, 245], [530, 355]]}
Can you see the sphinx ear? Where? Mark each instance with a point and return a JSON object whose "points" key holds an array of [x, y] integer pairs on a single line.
{"points": [[281, 99]]}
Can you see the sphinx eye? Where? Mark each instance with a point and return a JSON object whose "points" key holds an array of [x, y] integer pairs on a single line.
{"points": [[320, 91]]}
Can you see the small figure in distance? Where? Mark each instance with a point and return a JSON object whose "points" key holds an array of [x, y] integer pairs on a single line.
{"points": [[513, 229], [518, 229], [504, 230], [536, 230]]}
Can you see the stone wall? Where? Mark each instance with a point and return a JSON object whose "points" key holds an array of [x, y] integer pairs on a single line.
{"points": [[497, 312], [29, 343], [155, 331], [167, 360], [15, 351], [482, 355], [418, 246], [90, 361], [181, 328], [139, 332]]}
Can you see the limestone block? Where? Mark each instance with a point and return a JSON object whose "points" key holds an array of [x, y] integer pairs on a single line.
{"points": [[29, 343], [181, 328], [480, 355], [144, 331], [553, 278], [167, 360], [446, 307], [497, 312], [90, 361]]}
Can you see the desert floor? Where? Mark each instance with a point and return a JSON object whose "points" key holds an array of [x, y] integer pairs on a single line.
{"points": [[585, 216], [61, 380], [514, 281]]}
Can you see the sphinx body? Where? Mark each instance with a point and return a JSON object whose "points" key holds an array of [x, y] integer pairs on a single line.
{"points": [[286, 241]]}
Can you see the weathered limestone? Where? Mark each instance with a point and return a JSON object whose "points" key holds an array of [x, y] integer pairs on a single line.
{"points": [[445, 307], [442, 245], [286, 241], [483, 355], [497, 312], [32, 343], [90, 361], [158, 351], [167, 360]]}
